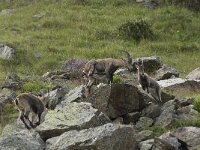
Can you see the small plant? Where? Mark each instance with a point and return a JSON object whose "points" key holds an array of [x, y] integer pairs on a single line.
{"points": [[35, 87], [9, 109], [197, 103], [117, 79], [137, 30]]}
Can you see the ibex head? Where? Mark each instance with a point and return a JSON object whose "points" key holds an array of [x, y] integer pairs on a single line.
{"points": [[140, 67], [128, 62], [89, 68]]}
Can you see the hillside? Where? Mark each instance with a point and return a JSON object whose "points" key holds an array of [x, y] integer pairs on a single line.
{"points": [[60, 30]]}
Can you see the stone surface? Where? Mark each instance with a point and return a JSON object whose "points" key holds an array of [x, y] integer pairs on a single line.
{"points": [[74, 67], [23, 140], [151, 64], [106, 137], [144, 122], [195, 74], [68, 117], [189, 135], [179, 86], [166, 72], [131, 117], [75, 95], [6, 52], [152, 111], [55, 97], [116, 100], [146, 145], [167, 116]]}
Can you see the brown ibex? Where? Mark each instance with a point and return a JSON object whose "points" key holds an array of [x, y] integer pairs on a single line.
{"points": [[147, 82], [106, 67], [28, 103]]}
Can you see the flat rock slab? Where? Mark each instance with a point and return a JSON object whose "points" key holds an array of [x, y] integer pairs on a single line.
{"points": [[70, 117], [180, 87], [106, 137], [23, 140]]}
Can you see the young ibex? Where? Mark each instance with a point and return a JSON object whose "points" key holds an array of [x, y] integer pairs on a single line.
{"points": [[147, 82], [28, 103], [105, 66]]}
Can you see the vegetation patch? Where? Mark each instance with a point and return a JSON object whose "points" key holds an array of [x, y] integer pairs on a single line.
{"points": [[35, 87], [137, 30], [197, 103]]}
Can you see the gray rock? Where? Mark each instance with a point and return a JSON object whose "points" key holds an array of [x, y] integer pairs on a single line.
{"points": [[118, 120], [195, 74], [7, 12], [146, 145], [74, 67], [152, 111], [151, 64], [180, 87], [166, 73], [122, 72], [189, 135], [39, 16], [75, 95], [70, 116], [144, 122], [116, 100], [144, 135], [55, 97], [131, 117], [106, 137], [23, 140], [167, 116], [163, 144], [6, 52]]}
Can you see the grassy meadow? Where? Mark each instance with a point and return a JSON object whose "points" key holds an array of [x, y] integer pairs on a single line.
{"points": [[70, 29], [90, 29]]}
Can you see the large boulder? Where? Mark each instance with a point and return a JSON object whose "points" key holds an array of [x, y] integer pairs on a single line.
{"points": [[23, 140], [55, 97], [179, 86], [6, 52], [189, 135], [151, 64], [106, 137], [168, 114], [195, 74], [75, 95], [166, 72], [70, 116], [74, 67], [118, 99]]}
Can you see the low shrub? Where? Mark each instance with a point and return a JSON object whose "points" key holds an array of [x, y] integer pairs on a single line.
{"points": [[136, 30], [117, 79]]}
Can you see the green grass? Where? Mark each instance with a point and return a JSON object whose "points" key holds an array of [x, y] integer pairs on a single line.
{"points": [[70, 30], [197, 103], [159, 130]]}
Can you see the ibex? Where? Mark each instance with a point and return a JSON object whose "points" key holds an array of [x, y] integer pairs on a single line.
{"points": [[28, 103], [105, 66], [147, 82]]}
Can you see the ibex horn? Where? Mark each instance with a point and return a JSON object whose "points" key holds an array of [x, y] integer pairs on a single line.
{"points": [[128, 55]]}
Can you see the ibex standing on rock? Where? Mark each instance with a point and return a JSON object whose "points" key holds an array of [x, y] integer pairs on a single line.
{"points": [[28, 103], [105, 66], [147, 82]]}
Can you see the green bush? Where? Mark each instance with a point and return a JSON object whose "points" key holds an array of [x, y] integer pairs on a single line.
{"points": [[117, 79], [136, 30], [197, 103]]}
